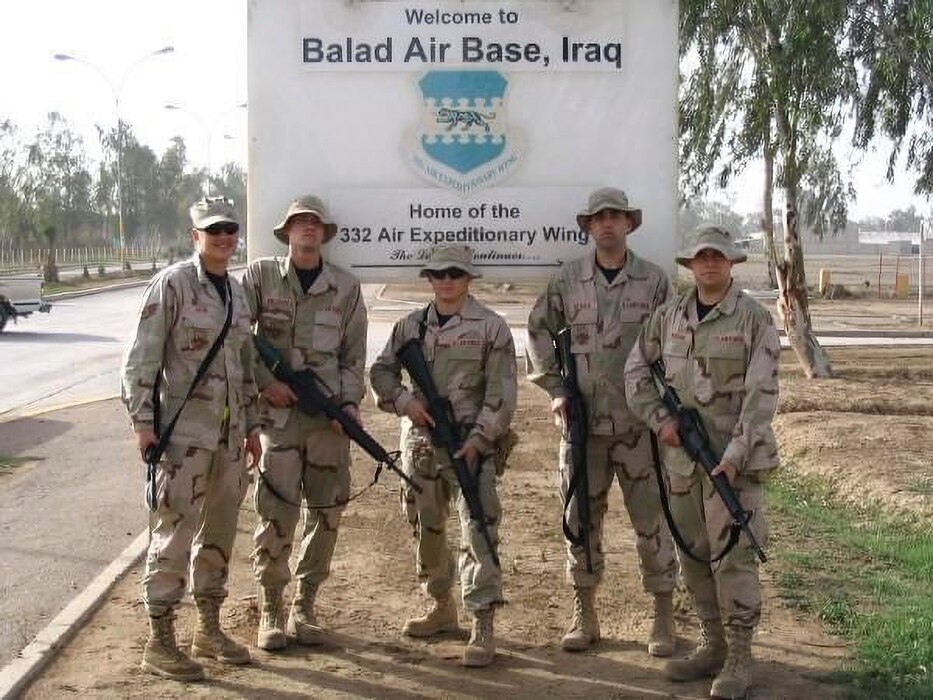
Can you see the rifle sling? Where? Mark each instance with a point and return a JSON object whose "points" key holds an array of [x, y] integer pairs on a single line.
{"points": [[267, 484], [735, 530], [166, 434]]}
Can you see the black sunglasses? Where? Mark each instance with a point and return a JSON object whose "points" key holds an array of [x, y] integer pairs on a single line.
{"points": [[221, 228], [453, 273]]}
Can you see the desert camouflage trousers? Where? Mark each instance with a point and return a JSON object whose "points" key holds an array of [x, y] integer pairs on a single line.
{"points": [[729, 589], [626, 457], [304, 463], [200, 492], [428, 513]]}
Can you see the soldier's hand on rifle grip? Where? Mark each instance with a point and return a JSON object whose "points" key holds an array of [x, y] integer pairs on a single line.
{"points": [[253, 448], [144, 438], [279, 394], [352, 411], [727, 468], [668, 434], [470, 455], [559, 409], [418, 414]]}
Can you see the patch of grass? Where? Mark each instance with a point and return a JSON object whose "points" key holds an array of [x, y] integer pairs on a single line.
{"points": [[8, 464], [867, 574], [921, 484]]}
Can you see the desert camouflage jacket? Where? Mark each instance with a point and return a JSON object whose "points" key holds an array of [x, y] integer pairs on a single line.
{"points": [[472, 360], [604, 321], [323, 329], [180, 317], [725, 366]]}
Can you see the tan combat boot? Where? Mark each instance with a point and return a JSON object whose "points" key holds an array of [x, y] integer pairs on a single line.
{"points": [[584, 627], [302, 621], [661, 640], [704, 661], [210, 641], [162, 657], [736, 675], [481, 649], [271, 635], [442, 617]]}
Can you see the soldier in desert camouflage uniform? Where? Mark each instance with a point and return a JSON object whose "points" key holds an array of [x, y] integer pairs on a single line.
{"points": [[605, 297], [472, 358], [313, 313], [202, 477], [720, 351]]}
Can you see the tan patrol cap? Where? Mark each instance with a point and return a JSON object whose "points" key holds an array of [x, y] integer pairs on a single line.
{"points": [[715, 238], [212, 210], [445, 257]]}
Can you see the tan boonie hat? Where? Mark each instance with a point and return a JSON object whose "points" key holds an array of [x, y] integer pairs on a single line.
{"points": [[608, 198], [443, 257], [212, 210], [714, 237], [306, 205]]}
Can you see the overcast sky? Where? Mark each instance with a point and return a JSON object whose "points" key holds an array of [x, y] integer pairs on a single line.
{"points": [[206, 75]]}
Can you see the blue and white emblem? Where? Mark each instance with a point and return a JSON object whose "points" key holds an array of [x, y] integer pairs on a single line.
{"points": [[464, 142]]}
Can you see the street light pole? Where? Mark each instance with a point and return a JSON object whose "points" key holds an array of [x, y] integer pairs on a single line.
{"points": [[116, 91], [208, 131]]}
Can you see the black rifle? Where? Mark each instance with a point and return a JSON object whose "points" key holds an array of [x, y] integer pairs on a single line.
{"points": [[312, 400], [444, 434], [695, 442], [577, 432]]}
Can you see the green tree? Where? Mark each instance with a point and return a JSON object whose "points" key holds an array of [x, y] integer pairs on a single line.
{"points": [[59, 183], [14, 179], [771, 79], [893, 42]]}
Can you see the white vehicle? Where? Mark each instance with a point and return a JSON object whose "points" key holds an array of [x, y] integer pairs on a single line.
{"points": [[20, 295]]}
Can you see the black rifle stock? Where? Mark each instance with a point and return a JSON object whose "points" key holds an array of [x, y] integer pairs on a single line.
{"points": [[312, 400], [695, 442], [444, 434], [577, 432]]}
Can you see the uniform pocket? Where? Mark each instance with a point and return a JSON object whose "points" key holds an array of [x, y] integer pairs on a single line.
{"points": [[583, 338], [725, 363], [465, 365], [326, 334], [197, 331], [275, 318], [676, 354]]}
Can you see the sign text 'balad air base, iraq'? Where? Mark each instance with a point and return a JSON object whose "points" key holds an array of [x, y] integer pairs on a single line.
{"points": [[478, 123]]}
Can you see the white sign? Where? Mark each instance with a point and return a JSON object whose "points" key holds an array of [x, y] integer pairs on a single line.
{"points": [[485, 123]]}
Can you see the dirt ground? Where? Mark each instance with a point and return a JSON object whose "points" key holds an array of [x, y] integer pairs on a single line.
{"points": [[869, 431]]}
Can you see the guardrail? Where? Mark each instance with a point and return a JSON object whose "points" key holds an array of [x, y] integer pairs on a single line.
{"points": [[28, 259]]}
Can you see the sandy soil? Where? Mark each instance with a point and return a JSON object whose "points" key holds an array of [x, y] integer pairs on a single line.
{"points": [[372, 590]]}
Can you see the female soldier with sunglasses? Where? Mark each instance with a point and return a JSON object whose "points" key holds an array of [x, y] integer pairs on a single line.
{"points": [[471, 354]]}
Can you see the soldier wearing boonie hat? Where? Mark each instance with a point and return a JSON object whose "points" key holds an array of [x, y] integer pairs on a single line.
{"points": [[201, 479], [313, 312], [720, 350], [604, 297], [472, 355], [308, 205]]}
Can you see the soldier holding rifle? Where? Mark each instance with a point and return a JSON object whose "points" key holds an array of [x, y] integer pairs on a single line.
{"points": [[469, 354], [720, 354], [312, 312], [603, 298]]}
